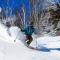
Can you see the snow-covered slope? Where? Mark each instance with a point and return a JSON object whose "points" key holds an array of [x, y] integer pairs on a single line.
{"points": [[49, 42], [18, 51], [10, 50]]}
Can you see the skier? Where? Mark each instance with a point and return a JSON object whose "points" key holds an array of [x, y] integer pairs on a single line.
{"points": [[28, 32]]}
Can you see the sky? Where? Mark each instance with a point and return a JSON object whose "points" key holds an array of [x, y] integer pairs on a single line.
{"points": [[15, 4]]}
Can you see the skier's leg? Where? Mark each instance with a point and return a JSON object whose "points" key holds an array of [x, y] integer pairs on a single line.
{"points": [[29, 40]]}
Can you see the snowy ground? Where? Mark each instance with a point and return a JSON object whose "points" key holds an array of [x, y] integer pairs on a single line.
{"points": [[10, 50], [49, 42]]}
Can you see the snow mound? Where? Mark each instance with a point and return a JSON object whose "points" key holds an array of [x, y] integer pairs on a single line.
{"points": [[48, 42], [16, 33]]}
